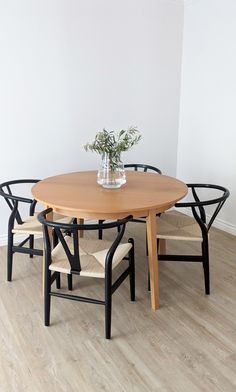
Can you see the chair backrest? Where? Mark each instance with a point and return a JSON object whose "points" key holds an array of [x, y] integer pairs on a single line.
{"points": [[142, 167], [73, 229], [13, 200], [204, 218]]}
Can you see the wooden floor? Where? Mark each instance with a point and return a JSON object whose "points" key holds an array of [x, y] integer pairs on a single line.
{"points": [[189, 344]]}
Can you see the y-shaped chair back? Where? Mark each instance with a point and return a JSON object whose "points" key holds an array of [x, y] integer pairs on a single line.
{"points": [[173, 225], [16, 224], [86, 257]]}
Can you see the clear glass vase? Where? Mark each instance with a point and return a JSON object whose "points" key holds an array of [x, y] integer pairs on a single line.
{"points": [[111, 175]]}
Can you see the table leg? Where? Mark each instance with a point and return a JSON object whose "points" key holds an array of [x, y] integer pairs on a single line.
{"points": [[153, 261], [81, 232]]}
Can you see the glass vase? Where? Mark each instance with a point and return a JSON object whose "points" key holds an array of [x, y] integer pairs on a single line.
{"points": [[111, 175]]}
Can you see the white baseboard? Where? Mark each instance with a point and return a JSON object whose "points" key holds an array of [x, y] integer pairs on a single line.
{"points": [[225, 226]]}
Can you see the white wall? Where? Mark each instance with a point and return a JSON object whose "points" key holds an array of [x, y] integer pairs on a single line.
{"points": [[70, 68], [207, 132]]}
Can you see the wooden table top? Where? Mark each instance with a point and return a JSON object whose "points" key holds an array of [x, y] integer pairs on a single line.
{"points": [[78, 194]]}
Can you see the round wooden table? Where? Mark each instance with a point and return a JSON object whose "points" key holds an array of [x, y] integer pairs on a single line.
{"points": [[144, 195]]}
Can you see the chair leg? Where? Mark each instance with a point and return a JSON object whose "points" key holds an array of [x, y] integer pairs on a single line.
{"points": [[47, 298], [100, 230], [132, 274], [205, 254], [158, 247], [149, 287], [108, 305], [69, 282], [146, 242], [31, 244], [58, 280], [54, 239], [162, 246], [9, 257]]}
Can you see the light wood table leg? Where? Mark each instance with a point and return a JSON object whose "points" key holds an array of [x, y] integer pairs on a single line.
{"points": [[81, 222], [153, 261]]}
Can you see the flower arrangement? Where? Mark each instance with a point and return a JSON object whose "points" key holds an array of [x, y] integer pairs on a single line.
{"points": [[113, 144]]}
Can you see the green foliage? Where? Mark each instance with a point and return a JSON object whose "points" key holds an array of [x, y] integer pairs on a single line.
{"points": [[114, 144]]}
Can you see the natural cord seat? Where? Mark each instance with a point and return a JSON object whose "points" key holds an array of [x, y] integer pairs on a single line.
{"points": [[174, 225], [86, 257], [178, 226], [29, 226], [92, 256]]}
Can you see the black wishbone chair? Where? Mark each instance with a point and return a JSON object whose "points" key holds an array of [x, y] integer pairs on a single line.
{"points": [[136, 167], [144, 168], [173, 225], [86, 257], [28, 226]]}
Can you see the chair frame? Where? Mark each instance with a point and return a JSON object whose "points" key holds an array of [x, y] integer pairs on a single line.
{"points": [[200, 216], [134, 166], [13, 203], [143, 166], [74, 261]]}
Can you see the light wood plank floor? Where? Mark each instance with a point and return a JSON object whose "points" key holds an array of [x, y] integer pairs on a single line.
{"points": [[188, 345]]}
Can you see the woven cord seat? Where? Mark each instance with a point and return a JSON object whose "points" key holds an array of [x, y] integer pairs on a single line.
{"points": [[31, 225], [92, 256], [174, 225]]}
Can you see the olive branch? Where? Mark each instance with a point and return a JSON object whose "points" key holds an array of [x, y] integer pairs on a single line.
{"points": [[113, 144]]}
